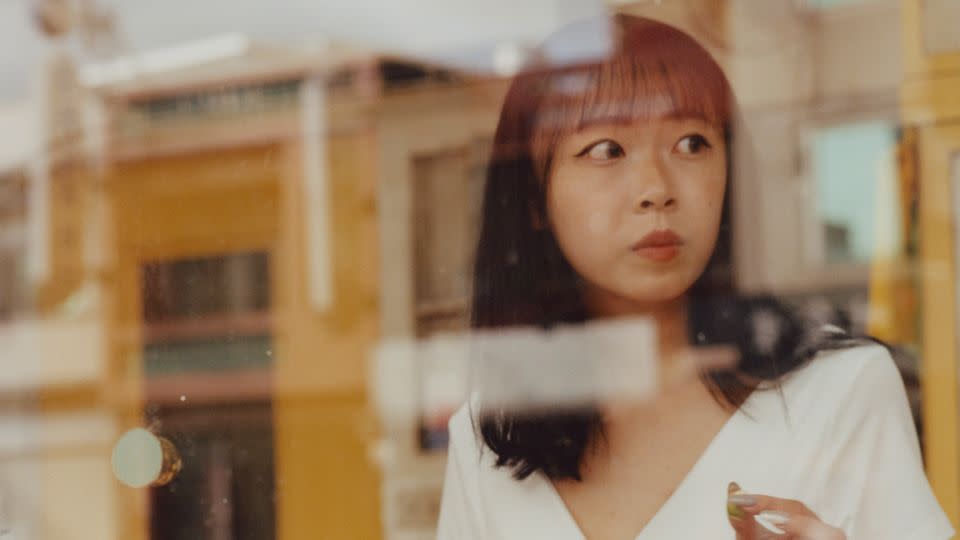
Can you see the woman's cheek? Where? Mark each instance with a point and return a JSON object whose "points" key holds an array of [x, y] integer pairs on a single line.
{"points": [[583, 235], [598, 223], [579, 215]]}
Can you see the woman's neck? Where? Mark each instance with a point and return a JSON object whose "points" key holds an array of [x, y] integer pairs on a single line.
{"points": [[670, 317]]}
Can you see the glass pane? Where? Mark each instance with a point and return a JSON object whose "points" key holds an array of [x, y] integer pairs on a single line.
{"points": [[469, 269]]}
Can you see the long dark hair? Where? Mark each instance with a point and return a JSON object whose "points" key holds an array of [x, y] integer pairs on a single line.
{"points": [[521, 277]]}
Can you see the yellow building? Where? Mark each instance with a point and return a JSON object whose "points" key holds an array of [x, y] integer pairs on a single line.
{"points": [[931, 110], [225, 238], [233, 208]]}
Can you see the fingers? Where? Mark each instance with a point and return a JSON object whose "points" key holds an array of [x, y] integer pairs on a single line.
{"points": [[760, 527], [753, 504], [751, 516], [807, 528], [745, 526], [742, 522]]}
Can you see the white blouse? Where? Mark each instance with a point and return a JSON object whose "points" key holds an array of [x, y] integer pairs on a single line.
{"points": [[840, 438]]}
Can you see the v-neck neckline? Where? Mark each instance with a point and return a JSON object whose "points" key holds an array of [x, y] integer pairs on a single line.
{"points": [[708, 450]]}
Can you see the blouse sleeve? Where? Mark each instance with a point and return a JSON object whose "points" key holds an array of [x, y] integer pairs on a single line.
{"points": [[896, 501], [459, 509]]}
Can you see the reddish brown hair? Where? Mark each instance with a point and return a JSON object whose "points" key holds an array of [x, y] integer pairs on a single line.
{"points": [[651, 71]]}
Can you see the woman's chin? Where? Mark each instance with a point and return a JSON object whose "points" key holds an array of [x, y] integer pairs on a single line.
{"points": [[660, 293]]}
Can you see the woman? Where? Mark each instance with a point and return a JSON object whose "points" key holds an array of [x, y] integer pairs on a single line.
{"points": [[608, 196]]}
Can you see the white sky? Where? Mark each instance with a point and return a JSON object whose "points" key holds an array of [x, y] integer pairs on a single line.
{"points": [[457, 29]]}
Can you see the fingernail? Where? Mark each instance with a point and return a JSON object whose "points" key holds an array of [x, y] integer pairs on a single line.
{"points": [[735, 511], [773, 517], [772, 521], [742, 499]]}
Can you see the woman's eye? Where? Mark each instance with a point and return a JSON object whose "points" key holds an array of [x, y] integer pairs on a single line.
{"points": [[602, 150], [692, 144]]}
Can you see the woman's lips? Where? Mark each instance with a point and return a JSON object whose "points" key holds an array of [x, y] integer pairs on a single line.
{"points": [[660, 246], [659, 253]]}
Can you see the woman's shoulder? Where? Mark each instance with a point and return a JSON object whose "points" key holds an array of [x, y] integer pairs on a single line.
{"points": [[862, 369], [852, 383], [464, 439], [460, 425]]}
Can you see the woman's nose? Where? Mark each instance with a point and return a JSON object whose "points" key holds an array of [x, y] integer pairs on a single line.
{"points": [[656, 202], [652, 190]]}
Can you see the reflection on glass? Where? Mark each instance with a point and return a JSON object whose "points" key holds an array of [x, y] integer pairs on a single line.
{"points": [[857, 199], [140, 458]]}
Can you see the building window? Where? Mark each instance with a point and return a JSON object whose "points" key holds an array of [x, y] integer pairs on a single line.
{"points": [[447, 197], [13, 284], [448, 193], [206, 315], [14, 288], [227, 102], [225, 490], [207, 355], [826, 4], [857, 202]]}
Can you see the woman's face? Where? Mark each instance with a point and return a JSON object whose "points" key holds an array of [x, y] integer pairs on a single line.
{"points": [[636, 207]]}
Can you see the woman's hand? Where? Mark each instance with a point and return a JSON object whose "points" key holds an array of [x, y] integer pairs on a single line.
{"points": [[747, 513]]}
